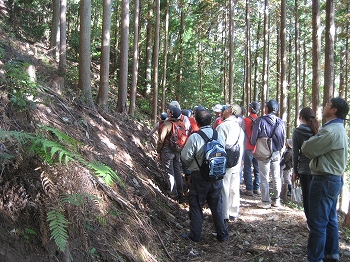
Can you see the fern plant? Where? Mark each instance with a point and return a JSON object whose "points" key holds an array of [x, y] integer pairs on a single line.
{"points": [[58, 226], [107, 174]]}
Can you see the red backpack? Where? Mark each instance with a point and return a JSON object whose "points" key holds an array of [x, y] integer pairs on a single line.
{"points": [[178, 136]]}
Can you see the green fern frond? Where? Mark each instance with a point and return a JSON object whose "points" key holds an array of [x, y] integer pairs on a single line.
{"points": [[62, 136], [74, 199], [58, 226], [42, 146], [21, 137], [108, 175]]}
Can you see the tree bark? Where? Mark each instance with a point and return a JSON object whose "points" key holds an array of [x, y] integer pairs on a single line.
{"points": [[63, 38], [316, 54], [85, 51], [284, 83], [102, 96], [135, 65], [328, 90], [124, 49], [155, 62]]}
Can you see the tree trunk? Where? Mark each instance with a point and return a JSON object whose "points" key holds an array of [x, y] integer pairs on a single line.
{"points": [[296, 64], [346, 222], [248, 64], [55, 29], [284, 84], [63, 39], [316, 54], [135, 65], [102, 96], [85, 51], [165, 52], [155, 62], [265, 57], [231, 54], [148, 62], [124, 49], [328, 90]]}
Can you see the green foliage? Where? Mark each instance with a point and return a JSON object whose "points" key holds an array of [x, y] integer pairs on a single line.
{"points": [[52, 151], [107, 174], [58, 226], [18, 81], [27, 233]]}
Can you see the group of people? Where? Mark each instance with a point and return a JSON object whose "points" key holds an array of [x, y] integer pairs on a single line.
{"points": [[316, 157]]}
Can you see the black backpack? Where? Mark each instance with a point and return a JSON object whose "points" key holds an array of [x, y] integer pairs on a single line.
{"points": [[213, 167], [233, 153]]}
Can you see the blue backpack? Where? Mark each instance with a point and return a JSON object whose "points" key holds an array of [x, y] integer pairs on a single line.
{"points": [[213, 167]]}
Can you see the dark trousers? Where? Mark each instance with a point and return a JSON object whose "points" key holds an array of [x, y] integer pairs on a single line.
{"points": [[201, 191]]}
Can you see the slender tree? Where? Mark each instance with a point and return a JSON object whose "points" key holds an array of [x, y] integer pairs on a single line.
{"points": [[55, 29], [165, 54], [296, 62], [124, 49], [102, 96], [231, 54], [328, 90], [248, 64], [148, 58], [265, 57], [284, 83], [135, 64], [85, 51], [155, 62], [316, 54], [63, 38]]}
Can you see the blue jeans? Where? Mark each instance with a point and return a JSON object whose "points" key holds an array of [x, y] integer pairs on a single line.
{"points": [[323, 239], [305, 181], [251, 184]]}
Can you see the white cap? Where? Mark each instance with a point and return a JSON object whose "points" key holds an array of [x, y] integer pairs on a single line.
{"points": [[217, 108]]}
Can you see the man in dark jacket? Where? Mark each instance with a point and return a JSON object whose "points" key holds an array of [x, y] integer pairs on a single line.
{"points": [[264, 127]]}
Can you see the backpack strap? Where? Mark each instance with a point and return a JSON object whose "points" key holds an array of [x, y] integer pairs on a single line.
{"points": [[206, 139]]}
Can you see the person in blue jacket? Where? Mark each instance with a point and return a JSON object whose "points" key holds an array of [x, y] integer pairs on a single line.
{"points": [[264, 128]]}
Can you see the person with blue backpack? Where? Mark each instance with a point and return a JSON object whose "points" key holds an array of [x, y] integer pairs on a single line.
{"points": [[202, 188]]}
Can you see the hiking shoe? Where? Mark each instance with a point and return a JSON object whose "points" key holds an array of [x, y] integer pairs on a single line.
{"points": [[276, 203], [257, 192], [187, 237], [264, 205], [249, 192]]}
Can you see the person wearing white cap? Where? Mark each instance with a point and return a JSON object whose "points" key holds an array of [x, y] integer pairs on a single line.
{"points": [[233, 134], [217, 110]]}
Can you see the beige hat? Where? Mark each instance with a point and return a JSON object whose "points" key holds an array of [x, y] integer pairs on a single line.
{"points": [[217, 108], [236, 109], [290, 142]]}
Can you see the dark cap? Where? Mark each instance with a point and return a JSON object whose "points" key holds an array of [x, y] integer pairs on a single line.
{"points": [[175, 111], [163, 116], [272, 106], [255, 106]]}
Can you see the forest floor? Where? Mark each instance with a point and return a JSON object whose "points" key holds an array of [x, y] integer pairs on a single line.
{"points": [[134, 222]]}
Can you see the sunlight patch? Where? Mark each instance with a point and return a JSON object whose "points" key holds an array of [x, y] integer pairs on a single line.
{"points": [[107, 142]]}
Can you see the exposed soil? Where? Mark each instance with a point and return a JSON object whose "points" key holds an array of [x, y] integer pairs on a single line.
{"points": [[137, 222]]}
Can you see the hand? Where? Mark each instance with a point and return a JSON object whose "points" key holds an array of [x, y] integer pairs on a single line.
{"points": [[159, 157], [295, 177]]}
